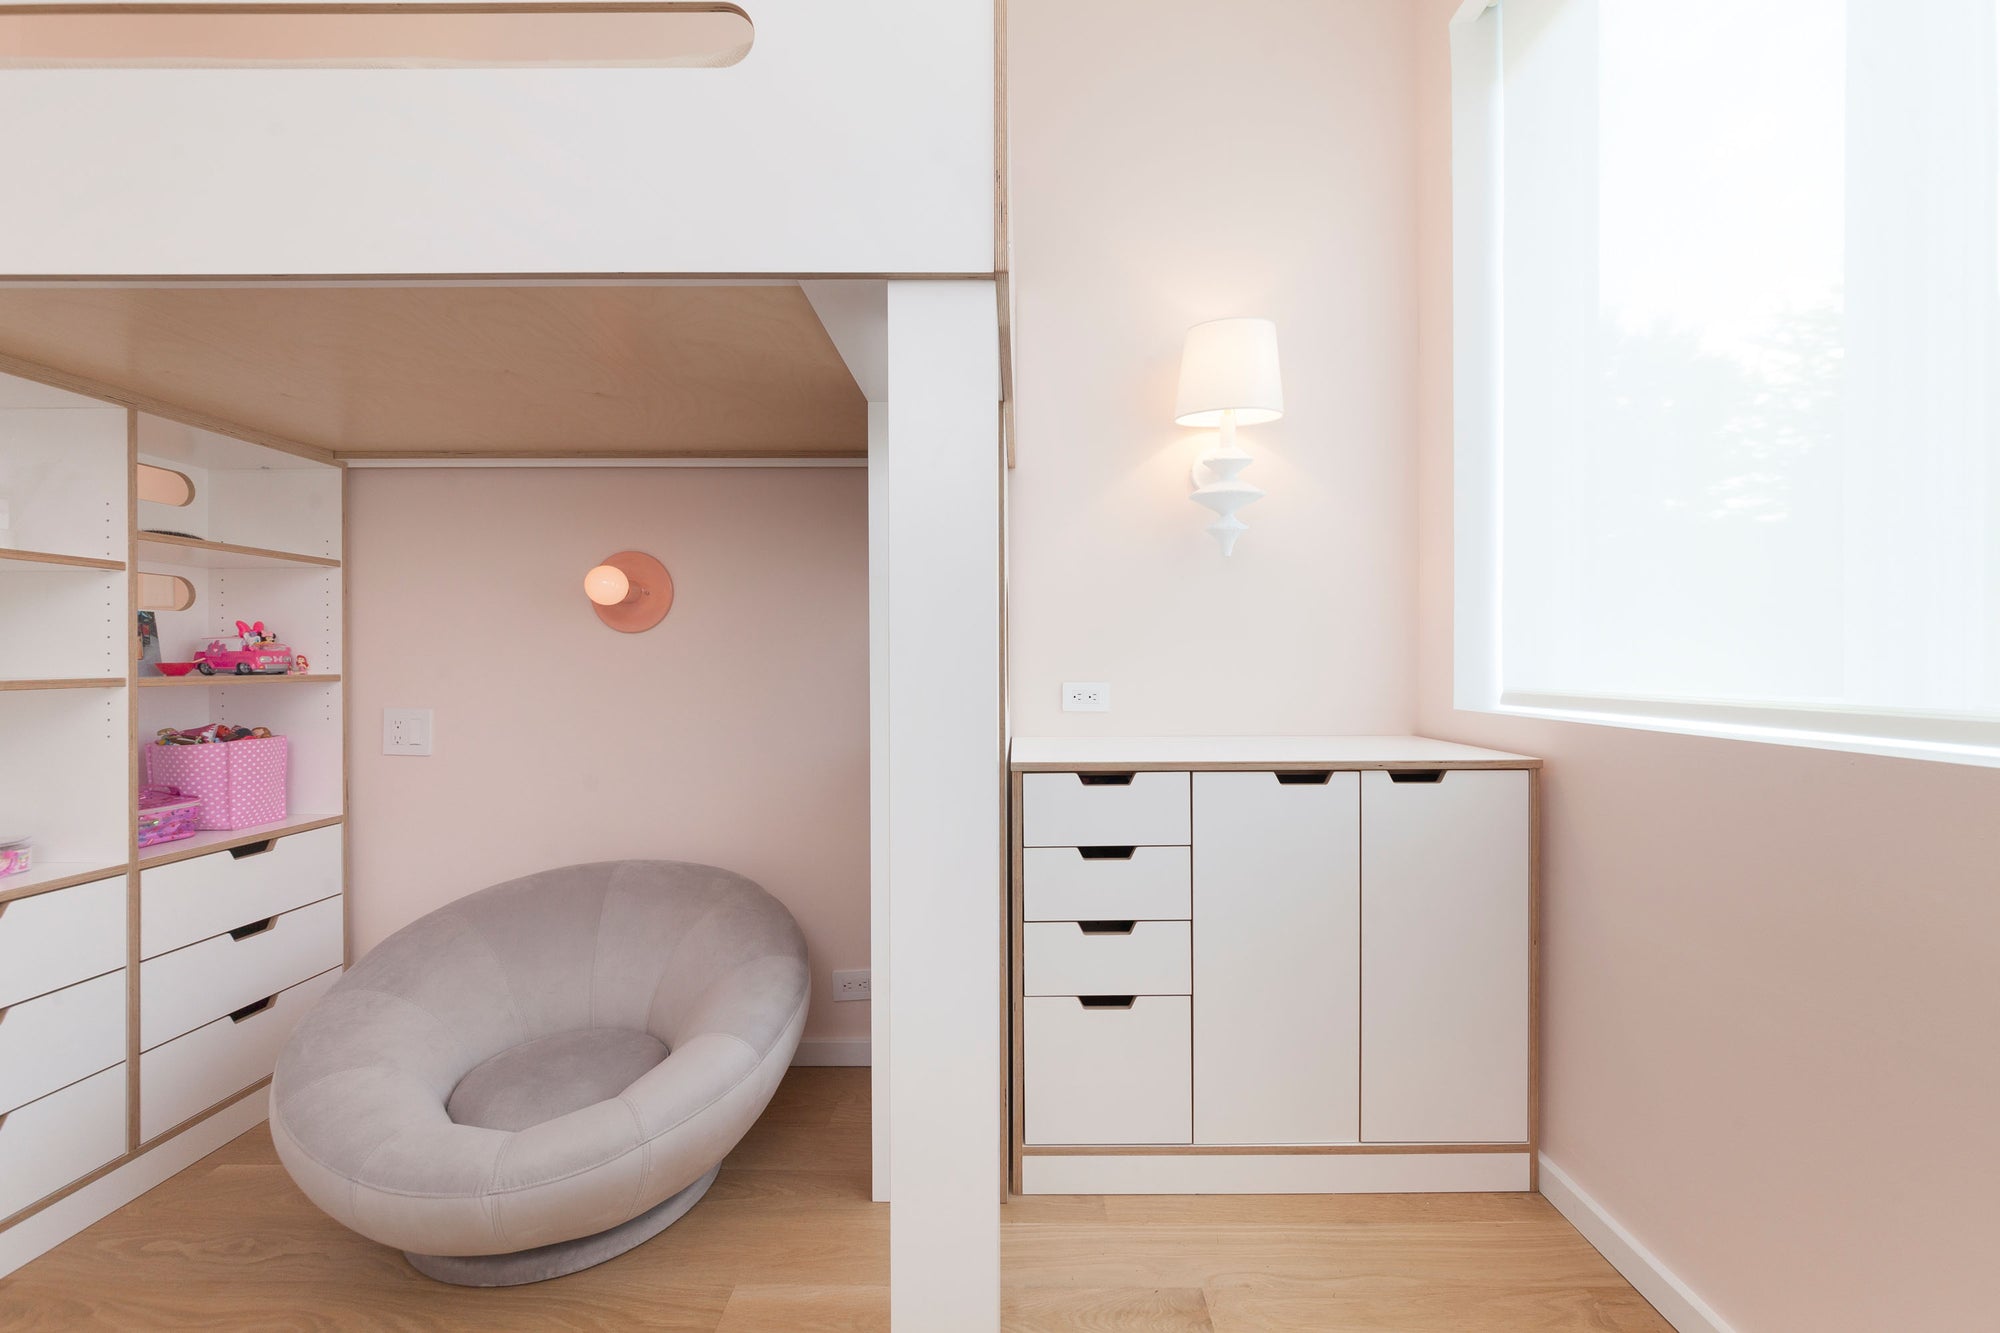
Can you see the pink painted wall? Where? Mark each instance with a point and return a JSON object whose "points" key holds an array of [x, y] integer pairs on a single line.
{"points": [[735, 733], [1771, 990], [1180, 162]]}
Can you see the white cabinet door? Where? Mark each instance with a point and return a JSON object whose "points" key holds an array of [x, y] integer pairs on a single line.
{"points": [[1444, 958], [1276, 949]]}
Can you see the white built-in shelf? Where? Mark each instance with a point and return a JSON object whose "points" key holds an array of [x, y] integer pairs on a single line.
{"points": [[47, 875], [230, 678], [157, 548], [45, 560], [215, 840], [66, 683]]}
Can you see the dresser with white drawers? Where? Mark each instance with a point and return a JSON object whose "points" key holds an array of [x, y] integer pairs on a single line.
{"points": [[231, 946], [1290, 965]]}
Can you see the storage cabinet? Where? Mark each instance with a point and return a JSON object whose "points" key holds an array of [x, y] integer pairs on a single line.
{"points": [[234, 929], [1253, 966]]}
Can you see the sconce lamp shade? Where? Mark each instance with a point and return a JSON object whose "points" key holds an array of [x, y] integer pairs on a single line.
{"points": [[630, 591], [1230, 365]]}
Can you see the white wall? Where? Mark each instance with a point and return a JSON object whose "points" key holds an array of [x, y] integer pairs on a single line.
{"points": [[1175, 162]]}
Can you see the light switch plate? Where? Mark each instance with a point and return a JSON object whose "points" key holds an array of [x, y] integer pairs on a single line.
{"points": [[406, 731]]}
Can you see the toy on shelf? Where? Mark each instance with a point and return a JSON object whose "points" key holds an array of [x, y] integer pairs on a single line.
{"points": [[166, 814], [257, 653], [214, 731], [15, 856]]}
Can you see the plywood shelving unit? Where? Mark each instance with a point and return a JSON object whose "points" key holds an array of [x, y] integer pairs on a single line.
{"points": [[260, 540]]}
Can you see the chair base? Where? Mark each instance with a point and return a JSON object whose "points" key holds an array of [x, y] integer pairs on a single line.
{"points": [[569, 1256]]}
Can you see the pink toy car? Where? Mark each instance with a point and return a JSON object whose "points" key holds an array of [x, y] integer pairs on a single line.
{"points": [[256, 653]]}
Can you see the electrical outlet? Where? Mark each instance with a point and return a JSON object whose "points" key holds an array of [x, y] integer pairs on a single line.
{"points": [[406, 731], [851, 985], [1086, 696]]}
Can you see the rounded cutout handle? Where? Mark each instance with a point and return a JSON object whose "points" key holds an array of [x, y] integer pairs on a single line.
{"points": [[254, 928]]}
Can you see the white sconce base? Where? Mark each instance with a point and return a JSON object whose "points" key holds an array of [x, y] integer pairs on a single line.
{"points": [[1218, 486]]}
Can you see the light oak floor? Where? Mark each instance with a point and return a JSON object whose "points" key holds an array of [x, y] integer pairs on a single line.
{"points": [[788, 1242]]}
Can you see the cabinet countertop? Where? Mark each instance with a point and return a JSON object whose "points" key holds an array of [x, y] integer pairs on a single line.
{"points": [[1061, 753]]}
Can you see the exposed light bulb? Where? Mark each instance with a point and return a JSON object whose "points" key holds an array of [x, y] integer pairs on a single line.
{"points": [[607, 585]]}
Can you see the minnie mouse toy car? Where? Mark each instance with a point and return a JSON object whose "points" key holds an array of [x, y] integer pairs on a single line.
{"points": [[256, 653]]}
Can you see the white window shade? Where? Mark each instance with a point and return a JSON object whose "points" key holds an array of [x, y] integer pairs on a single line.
{"points": [[1728, 344]]}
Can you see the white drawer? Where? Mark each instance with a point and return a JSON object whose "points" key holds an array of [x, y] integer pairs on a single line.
{"points": [[185, 901], [192, 1073], [55, 1039], [1104, 809], [180, 991], [1108, 1074], [1138, 884], [68, 1134], [52, 940], [1106, 958]]}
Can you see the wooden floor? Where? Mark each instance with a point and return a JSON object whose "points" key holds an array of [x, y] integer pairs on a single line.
{"points": [[788, 1242]]}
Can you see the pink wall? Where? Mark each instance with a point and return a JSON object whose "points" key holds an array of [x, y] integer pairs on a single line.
{"points": [[1771, 992], [1158, 180], [735, 733]]}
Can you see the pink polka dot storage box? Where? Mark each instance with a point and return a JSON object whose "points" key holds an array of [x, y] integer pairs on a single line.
{"points": [[240, 783]]}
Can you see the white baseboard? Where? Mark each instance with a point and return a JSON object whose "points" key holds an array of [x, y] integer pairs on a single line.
{"points": [[37, 1235], [849, 1051], [1673, 1298]]}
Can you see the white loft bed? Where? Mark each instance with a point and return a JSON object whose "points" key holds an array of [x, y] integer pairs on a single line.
{"points": [[854, 143]]}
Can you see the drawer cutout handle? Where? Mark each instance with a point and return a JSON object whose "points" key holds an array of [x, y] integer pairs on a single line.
{"points": [[1105, 779], [1106, 853], [253, 848], [1106, 927], [1432, 775], [252, 1009], [1316, 779], [254, 928], [1106, 1001]]}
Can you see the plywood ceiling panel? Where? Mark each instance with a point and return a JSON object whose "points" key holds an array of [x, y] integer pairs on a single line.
{"points": [[458, 370]]}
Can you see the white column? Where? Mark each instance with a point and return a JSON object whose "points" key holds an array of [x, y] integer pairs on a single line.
{"points": [[878, 788], [945, 785]]}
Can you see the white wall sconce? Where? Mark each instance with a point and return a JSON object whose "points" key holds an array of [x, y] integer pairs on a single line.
{"points": [[1229, 378]]}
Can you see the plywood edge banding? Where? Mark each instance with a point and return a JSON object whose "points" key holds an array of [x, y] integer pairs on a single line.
{"points": [[193, 544], [50, 558]]}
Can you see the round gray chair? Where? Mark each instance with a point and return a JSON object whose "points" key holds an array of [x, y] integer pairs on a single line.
{"points": [[546, 1073]]}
